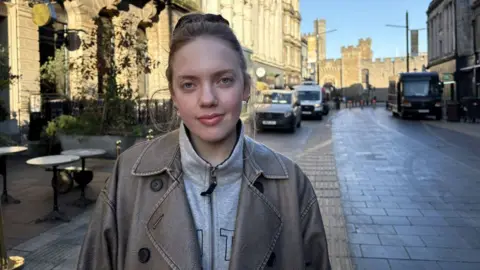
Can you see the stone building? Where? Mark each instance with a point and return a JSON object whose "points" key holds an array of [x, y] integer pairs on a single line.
{"points": [[349, 70], [30, 46], [259, 24], [305, 72], [269, 31], [451, 45], [292, 46]]}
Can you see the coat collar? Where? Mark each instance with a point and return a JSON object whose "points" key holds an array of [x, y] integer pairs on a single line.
{"points": [[255, 238], [163, 155]]}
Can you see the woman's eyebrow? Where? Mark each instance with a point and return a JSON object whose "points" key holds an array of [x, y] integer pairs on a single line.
{"points": [[215, 74]]}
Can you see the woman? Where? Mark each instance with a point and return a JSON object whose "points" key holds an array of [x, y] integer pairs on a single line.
{"points": [[206, 196]]}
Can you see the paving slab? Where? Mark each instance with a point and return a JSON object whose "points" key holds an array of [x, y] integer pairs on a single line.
{"points": [[410, 196]]}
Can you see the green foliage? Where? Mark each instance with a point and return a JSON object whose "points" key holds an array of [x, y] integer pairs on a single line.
{"points": [[53, 71], [113, 111], [6, 79]]}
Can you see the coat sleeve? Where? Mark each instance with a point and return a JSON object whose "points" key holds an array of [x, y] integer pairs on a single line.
{"points": [[100, 245], [315, 248]]}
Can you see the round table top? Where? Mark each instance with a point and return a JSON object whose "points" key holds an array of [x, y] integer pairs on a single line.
{"points": [[12, 150], [52, 160], [84, 153]]}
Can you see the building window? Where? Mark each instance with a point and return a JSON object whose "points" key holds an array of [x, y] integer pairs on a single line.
{"points": [[105, 51]]}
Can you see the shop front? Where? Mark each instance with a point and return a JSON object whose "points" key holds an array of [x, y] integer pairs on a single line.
{"points": [[272, 76], [446, 70]]}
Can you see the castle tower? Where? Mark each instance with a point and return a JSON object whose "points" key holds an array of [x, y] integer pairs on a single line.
{"points": [[320, 27]]}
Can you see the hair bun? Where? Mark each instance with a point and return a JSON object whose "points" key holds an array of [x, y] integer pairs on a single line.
{"points": [[199, 17]]}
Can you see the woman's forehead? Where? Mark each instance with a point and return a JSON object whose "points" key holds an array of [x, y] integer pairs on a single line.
{"points": [[205, 56]]}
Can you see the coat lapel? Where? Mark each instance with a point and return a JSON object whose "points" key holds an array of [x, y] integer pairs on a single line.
{"points": [[172, 231], [259, 224], [258, 227]]}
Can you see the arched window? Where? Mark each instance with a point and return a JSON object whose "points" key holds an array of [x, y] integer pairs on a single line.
{"points": [[142, 58], [53, 55], [105, 51]]}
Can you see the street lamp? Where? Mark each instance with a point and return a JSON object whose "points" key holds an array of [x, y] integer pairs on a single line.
{"points": [[407, 28], [317, 61]]}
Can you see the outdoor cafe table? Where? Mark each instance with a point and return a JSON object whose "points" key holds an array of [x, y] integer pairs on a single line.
{"points": [[4, 152], [54, 162], [83, 177]]}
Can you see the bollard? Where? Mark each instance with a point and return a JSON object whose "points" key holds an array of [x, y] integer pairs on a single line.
{"points": [[150, 135], [118, 143], [7, 262]]}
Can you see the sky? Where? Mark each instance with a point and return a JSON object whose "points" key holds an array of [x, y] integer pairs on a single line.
{"points": [[355, 19]]}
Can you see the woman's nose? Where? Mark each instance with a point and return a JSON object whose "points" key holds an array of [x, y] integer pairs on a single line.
{"points": [[208, 97]]}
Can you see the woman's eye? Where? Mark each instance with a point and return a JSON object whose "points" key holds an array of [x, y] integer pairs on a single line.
{"points": [[226, 81], [187, 85]]}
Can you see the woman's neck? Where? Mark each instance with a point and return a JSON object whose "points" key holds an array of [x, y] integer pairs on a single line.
{"points": [[215, 153]]}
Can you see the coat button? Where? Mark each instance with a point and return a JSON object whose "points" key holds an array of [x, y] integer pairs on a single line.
{"points": [[156, 185], [144, 255], [271, 260], [259, 186]]}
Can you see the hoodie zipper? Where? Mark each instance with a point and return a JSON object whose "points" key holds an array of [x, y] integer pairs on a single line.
{"points": [[213, 182]]}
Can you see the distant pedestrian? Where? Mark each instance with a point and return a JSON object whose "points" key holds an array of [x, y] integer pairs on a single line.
{"points": [[206, 196]]}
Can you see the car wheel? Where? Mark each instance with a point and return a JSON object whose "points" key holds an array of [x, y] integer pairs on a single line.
{"points": [[320, 117]]}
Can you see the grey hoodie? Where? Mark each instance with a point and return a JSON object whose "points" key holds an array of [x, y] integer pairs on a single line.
{"points": [[215, 214]]}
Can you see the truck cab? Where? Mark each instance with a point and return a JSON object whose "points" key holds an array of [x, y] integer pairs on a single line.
{"points": [[416, 94]]}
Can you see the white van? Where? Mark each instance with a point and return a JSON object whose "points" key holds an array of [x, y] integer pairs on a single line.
{"points": [[311, 99]]}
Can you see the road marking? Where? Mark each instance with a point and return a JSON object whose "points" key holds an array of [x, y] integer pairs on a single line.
{"points": [[323, 144]]}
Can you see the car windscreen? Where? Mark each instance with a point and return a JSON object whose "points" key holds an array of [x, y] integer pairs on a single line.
{"points": [[309, 95], [274, 98], [416, 88]]}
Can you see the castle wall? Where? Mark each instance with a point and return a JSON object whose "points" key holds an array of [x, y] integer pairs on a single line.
{"points": [[347, 71]]}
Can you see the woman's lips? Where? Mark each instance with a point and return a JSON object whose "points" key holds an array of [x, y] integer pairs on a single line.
{"points": [[211, 119]]}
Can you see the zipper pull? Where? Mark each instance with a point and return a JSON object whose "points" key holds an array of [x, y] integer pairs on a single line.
{"points": [[213, 183]]}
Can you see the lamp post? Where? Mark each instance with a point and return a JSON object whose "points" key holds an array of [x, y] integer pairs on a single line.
{"points": [[407, 34], [317, 60]]}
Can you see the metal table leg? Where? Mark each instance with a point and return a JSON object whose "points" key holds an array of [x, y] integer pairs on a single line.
{"points": [[56, 214], [6, 199], [83, 178]]}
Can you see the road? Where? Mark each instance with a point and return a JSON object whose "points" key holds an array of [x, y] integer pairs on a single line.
{"points": [[312, 134], [409, 192]]}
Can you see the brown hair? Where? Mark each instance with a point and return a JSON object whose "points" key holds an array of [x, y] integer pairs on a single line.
{"points": [[195, 25]]}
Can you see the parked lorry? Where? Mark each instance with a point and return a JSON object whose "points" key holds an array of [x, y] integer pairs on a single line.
{"points": [[415, 94]]}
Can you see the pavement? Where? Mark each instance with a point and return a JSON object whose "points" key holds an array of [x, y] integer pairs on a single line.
{"points": [[311, 146], [46, 245], [469, 128], [409, 191], [394, 194]]}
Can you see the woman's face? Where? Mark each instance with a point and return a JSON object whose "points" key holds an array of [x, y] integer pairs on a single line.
{"points": [[208, 88]]}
